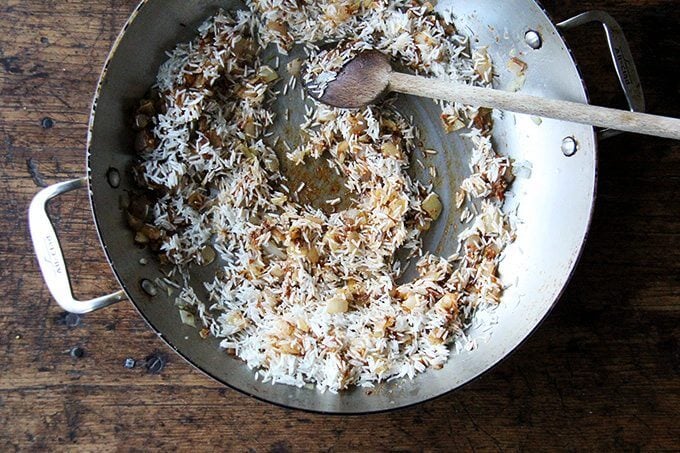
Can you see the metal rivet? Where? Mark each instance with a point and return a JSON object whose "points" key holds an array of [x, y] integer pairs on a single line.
{"points": [[113, 177], [149, 287], [533, 39], [130, 363], [155, 364], [569, 146]]}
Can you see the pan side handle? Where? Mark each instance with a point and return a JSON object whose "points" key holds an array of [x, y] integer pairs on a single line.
{"points": [[621, 56], [50, 256]]}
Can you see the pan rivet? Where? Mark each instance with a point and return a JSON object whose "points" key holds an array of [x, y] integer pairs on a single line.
{"points": [[569, 146], [149, 287], [533, 39], [113, 177]]}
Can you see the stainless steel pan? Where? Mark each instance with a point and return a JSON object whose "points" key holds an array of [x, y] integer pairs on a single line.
{"points": [[555, 202]]}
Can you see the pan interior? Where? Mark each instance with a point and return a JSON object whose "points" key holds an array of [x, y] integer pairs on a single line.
{"points": [[321, 183], [553, 202]]}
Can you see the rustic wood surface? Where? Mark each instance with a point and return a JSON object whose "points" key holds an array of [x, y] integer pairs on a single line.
{"points": [[602, 373]]}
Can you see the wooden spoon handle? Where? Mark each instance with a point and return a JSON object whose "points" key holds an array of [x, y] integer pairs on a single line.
{"points": [[621, 120]]}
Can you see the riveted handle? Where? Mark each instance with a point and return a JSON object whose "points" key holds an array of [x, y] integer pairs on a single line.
{"points": [[51, 257], [626, 70]]}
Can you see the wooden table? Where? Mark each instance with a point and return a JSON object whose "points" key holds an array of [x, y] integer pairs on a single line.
{"points": [[601, 373]]}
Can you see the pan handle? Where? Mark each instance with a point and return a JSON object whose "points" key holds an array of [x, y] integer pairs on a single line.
{"points": [[51, 257], [621, 55]]}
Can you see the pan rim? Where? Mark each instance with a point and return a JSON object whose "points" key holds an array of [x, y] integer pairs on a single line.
{"points": [[99, 228]]}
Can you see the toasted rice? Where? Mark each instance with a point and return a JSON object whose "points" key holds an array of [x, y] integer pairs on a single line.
{"points": [[305, 296]]}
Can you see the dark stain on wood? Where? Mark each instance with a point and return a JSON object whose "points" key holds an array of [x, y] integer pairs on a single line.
{"points": [[280, 447], [10, 64], [72, 412], [70, 320], [601, 373], [34, 171]]}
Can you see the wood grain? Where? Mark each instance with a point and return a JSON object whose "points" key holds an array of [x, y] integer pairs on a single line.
{"points": [[602, 373]]}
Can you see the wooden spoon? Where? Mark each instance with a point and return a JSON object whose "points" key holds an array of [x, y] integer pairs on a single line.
{"points": [[363, 80]]}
